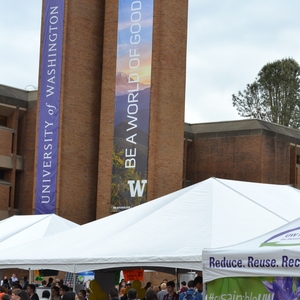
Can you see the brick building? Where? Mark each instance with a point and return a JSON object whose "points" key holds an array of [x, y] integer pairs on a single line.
{"points": [[17, 140], [250, 150], [247, 150]]}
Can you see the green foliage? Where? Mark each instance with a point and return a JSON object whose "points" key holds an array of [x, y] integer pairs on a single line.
{"points": [[274, 95], [120, 194]]}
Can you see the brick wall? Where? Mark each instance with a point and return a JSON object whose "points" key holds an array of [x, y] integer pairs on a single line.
{"points": [[4, 197], [5, 147], [234, 158], [257, 158], [26, 148]]}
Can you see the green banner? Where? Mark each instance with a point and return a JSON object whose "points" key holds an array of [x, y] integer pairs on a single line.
{"points": [[254, 288]]}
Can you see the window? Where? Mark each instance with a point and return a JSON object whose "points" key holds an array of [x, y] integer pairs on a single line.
{"points": [[2, 173], [3, 121]]}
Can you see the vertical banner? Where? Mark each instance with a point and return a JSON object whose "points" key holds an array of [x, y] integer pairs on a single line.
{"points": [[132, 104], [48, 124]]}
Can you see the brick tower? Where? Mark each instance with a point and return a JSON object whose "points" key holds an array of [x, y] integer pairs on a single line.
{"points": [[87, 105]]}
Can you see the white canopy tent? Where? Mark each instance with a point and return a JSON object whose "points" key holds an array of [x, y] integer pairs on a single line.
{"points": [[168, 232], [276, 253], [20, 229]]}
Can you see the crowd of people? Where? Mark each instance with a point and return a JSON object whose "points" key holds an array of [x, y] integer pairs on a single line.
{"points": [[11, 289], [166, 291]]}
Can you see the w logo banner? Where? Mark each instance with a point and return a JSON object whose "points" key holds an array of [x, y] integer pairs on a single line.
{"points": [[132, 104]]}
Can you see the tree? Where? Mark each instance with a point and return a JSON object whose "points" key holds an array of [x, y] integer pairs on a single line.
{"points": [[274, 95]]}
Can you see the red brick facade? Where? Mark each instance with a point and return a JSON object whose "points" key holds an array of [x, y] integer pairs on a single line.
{"points": [[250, 153]]}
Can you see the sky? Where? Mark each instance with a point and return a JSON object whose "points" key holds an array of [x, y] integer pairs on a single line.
{"points": [[229, 41]]}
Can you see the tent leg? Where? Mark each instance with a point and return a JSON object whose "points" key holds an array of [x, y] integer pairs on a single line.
{"points": [[74, 279], [204, 291]]}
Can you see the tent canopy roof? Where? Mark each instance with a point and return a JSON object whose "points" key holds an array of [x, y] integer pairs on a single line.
{"points": [[20, 229]]}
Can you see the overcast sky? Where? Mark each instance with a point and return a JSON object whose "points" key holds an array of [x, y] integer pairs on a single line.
{"points": [[229, 41]]}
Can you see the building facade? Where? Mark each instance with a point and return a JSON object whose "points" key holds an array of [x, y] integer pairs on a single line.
{"points": [[248, 150], [17, 140]]}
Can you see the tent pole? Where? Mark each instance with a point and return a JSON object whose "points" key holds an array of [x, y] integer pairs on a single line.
{"points": [[204, 290], [74, 279], [30, 276], [176, 276]]}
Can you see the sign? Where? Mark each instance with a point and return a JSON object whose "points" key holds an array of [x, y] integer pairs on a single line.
{"points": [[130, 275], [254, 288], [132, 104], [48, 124]]}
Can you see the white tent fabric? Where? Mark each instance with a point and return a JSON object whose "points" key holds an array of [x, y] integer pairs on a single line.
{"points": [[170, 231], [276, 253], [20, 229]]}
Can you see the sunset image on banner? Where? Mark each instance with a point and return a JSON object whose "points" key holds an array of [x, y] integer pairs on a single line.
{"points": [[132, 104]]}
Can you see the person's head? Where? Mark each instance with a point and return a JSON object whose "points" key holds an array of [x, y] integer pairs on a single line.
{"points": [[147, 285], [163, 286], [44, 282], [132, 294], [46, 294], [22, 295], [14, 294], [63, 289], [113, 293], [122, 284], [55, 290], [3, 289], [15, 284], [183, 283], [13, 275], [191, 284], [25, 278], [198, 283], [155, 289], [171, 287], [165, 280], [50, 280], [5, 297], [82, 293], [30, 289], [150, 294], [68, 296]]}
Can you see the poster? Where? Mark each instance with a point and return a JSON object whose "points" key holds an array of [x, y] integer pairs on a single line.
{"points": [[132, 104]]}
